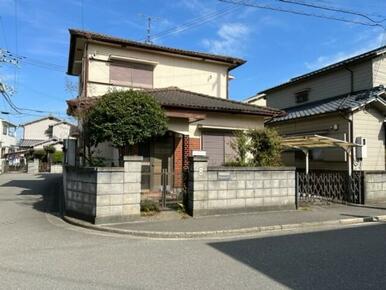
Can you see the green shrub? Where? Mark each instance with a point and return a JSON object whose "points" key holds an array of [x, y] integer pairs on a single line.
{"points": [[57, 157], [265, 147], [40, 154], [149, 206]]}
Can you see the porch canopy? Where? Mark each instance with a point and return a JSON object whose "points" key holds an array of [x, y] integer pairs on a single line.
{"points": [[308, 142]]}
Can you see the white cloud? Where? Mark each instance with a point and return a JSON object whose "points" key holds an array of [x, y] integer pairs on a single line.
{"points": [[326, 60], [230, 40]]}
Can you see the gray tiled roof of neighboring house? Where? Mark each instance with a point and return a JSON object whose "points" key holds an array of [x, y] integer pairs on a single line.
{"points": [[346, 102], [173, 97], [30, 142], [349, 61]]}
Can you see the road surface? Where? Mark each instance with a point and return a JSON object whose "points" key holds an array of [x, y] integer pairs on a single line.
{"points": [[39, 251]]}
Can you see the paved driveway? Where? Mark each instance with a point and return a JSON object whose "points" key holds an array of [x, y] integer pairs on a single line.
{"points": [[39, 251]]}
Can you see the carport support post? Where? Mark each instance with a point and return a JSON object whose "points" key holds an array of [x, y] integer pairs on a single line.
{"points": [[306, 152], [349, 161]]}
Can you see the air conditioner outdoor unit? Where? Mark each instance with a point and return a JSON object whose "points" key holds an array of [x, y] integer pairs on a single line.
{"points": [[361, 152]]}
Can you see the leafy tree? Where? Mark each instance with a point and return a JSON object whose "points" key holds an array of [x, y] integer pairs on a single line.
{"points": [[39, 154], [241, 147], [265, 147], [124, 118]]}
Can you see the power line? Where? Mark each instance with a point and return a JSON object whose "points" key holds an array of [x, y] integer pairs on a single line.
{"points": [[334, 9], [297, 12], [193, 23]]}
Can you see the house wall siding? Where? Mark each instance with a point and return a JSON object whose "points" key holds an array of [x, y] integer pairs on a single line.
{"points": [[196, 76], [379, 71], [325, 86], [369, 124]]}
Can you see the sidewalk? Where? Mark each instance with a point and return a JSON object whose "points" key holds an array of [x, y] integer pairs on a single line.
{"points": [[238, 224]]}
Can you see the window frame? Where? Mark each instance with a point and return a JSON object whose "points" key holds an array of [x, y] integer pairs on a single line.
{"points": [[302, 96], [131, 65]]}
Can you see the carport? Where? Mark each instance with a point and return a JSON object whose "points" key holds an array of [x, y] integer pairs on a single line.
{"points": [[306, 143]]}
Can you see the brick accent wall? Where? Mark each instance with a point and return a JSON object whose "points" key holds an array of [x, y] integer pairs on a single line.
{"points": [[178, 160]]}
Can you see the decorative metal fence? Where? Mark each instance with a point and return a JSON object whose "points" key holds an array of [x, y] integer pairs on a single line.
{"points": [[330, 185]]}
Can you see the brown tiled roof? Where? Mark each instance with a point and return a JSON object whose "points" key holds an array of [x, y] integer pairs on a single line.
{"points": [[173, 97], [75, 33]]}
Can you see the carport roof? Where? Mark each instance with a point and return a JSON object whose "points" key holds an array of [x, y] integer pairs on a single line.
{"points": [[316, 141]]}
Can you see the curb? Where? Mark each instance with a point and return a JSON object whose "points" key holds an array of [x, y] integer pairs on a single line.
{"points": [[223, 233]]}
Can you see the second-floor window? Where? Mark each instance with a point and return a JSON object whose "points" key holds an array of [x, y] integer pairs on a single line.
{"points": [[301, 97], [136, 75], [5, 130]]}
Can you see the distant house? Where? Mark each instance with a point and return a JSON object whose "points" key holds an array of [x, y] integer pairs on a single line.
{"points": [[7, 137], [346, 101], [258, 100], [45, 131]]}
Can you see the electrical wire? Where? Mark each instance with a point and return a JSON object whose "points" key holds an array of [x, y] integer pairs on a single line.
{"points": [[303, 13], [193, 23], [334, 9]]}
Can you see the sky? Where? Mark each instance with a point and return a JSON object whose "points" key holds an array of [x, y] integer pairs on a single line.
{"points": [[276, 45]]}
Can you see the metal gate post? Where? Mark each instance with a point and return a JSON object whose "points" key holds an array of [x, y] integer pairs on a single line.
{"points": [[163, 186]]}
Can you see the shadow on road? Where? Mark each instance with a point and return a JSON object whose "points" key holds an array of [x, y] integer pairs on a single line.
{"points": [[351, 258], [46, 189]]}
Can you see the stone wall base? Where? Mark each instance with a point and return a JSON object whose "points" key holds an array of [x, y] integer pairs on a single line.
{"points": [[226, 211]]}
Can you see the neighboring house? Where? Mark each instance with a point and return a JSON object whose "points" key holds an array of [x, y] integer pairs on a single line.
{"points": [[346, 101], [192, 87], [7, 138], [45, 131], [258, 100]]}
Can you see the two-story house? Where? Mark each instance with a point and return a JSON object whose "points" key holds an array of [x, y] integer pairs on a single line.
{"points": [[191, 86], [45, 131], [346, 101], [7, 137]]}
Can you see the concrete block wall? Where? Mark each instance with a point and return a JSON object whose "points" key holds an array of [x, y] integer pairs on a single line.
{"points": [[56, 168], [238, 189], [104, 194], [33, 166], [374, 186]]}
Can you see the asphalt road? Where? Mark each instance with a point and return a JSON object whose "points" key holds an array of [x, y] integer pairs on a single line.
{"points": [[39, 251]]}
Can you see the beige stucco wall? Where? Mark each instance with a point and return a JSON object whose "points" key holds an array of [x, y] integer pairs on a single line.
{"points": [[37, 130], [324, 86], [61, 131], [259, 102], [369, 124], [193, 75], [6, 140], [226, 121]]}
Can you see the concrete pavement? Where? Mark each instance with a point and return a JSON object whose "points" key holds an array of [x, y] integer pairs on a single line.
{"points": [[39, 251]]}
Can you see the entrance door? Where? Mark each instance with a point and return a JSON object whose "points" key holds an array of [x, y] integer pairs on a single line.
{"points": [[161, 159]]}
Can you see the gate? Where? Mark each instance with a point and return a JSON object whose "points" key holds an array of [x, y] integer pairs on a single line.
{"points": [[330, 185], [165, 187], [20, 167]]}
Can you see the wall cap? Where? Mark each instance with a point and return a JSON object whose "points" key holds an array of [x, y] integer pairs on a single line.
{"points": [[232, 168], [132, 158]]}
